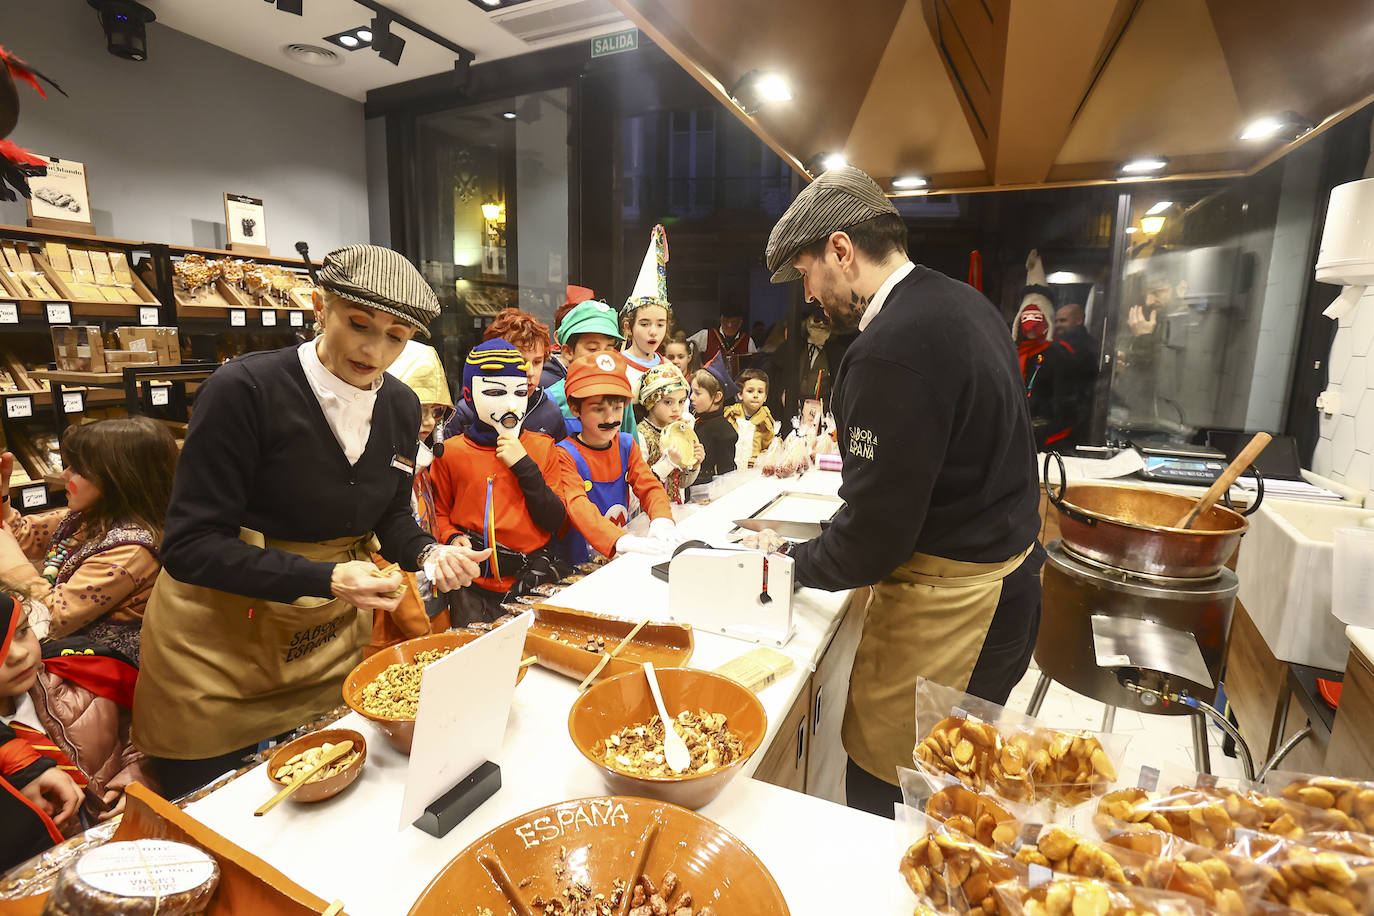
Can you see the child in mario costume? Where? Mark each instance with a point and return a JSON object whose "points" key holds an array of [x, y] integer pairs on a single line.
{"points": [[491, 487], [604, 465]]}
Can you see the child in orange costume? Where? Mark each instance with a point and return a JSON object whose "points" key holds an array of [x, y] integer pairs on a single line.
{"points": [[602, 465]]}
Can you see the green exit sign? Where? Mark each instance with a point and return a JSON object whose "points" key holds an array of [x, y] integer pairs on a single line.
{"points": [[616, 43]]}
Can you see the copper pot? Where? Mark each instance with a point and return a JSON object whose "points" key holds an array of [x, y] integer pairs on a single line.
{"points": [[1133, 529]]}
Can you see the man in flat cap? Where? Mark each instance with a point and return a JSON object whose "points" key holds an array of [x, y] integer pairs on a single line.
{"points": [[941, 512]]}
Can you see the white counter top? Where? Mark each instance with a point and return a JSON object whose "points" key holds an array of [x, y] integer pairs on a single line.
{"points": [[1362, 641], [353, 849]]}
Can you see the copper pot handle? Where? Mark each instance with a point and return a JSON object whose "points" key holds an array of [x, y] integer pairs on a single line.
{"points": [[1259, 494], [1057, 499]]}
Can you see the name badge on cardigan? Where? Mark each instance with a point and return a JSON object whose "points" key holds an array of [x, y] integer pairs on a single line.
{"points": [[402, 463]]}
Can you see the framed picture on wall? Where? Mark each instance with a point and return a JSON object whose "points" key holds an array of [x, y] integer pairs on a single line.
{"points": [[61, 199], [245, 224]]}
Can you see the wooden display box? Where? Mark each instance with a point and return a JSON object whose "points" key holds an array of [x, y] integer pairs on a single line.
{"points": [[79, 348], [164, 343], [247, 884], [108, 283], [217, 295]]}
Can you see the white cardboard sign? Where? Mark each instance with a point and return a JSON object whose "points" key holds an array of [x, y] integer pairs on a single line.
{"points": [[452, 735]]}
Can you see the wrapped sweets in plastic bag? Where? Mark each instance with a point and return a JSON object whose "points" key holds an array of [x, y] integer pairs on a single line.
{"points": [[1227, 883], [1312, 880], [989, 748], [991, 821], [1351, 799], [947, 870], [1087, 897], [768, 461]]}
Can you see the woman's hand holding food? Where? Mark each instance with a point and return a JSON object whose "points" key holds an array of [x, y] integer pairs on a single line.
{"points": [[355, 583], [454, 567]]}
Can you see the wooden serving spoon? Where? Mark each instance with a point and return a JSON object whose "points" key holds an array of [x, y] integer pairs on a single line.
{"points": [[337, 751], [1223, 483]]}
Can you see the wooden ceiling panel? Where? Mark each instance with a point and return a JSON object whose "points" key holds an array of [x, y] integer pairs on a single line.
{"points": [[888, 131], [1165, 91]]}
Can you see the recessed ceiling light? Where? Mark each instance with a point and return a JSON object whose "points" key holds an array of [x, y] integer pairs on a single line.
{"points": [[508, 115], [351, 39], [1159, 207], [1151, 224], [773, 88], [492, 2], [364, 34], [1064, 276], [1144, 165], [348, 41], [1287, 124], [1132, 230], [909, 182], [833, 161]]}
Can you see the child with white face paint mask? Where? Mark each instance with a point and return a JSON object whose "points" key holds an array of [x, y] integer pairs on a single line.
{"points": [[491, 486]]}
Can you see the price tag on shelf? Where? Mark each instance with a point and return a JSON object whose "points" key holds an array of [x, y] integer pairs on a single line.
{"points": [[9, 312], [158, 396], [269, 318], [58, 312], [16, 408], [238, 318], [148, 315], [73, 402], [34, 496], [297, 319]]}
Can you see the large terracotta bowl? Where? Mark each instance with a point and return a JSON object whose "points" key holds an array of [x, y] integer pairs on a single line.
{"points": [[323, 788], [400, 732], [597, 841], [625, 700]]}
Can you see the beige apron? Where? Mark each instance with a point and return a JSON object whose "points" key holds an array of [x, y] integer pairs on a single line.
{"points": [[927, 619], [220, 671]]}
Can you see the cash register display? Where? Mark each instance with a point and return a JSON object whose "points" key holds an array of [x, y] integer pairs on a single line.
{"points": [[1182, 470]]}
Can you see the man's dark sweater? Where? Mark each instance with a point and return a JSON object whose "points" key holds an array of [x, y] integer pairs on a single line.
{"points": [[935, 437]]}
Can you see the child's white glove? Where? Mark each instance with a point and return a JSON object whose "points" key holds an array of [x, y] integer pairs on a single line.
{"points": [[633, 543], [665, 531]]}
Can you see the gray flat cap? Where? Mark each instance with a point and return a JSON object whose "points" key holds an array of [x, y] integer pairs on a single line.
{"points": [[381, 279], [836, 200]]}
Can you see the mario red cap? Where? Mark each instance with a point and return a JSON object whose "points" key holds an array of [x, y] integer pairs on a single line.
{"points": [[597, 373]]}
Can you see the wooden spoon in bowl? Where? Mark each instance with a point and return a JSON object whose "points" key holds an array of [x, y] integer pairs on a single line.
{"points": [[1223, 483], [674, 748]]}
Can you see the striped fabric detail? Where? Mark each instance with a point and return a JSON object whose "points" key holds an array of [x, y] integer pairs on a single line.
{"points": [[381, 279], [488, 361], [836, 200], [42, 744]]}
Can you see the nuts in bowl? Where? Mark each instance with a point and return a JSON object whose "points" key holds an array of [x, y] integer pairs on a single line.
{"points": [[291, 761], [721, 721]]}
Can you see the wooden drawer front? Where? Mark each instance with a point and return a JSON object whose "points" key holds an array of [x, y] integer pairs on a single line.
{"points": [[1351, 752], [784, 761], [826, 759]]}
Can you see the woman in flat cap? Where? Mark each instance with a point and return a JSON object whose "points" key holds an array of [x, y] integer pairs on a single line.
{"points": [[296, 461]]}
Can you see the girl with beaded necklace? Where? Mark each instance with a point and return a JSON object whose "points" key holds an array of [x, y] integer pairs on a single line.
{"points": [[98, 558]]}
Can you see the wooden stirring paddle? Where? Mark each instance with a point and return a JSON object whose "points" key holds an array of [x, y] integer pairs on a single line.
{"points": [[1223, 483], [337, 751]]}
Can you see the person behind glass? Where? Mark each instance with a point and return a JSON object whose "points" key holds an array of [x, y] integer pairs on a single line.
{"points": [[99, 556], [296, 462], [530, 337], [663, 393], [712, 391], [492, 486], [420, 368], [556, 366], [730, 338], [1085, 350], [1046, 366]]}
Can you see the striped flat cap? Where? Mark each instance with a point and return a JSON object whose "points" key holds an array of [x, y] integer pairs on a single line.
{"points": [[836, 200], [381, 279]]}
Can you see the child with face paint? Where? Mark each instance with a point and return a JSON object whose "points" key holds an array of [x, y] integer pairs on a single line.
{"points": [[663, 394], [491, 485], [603, 464]]}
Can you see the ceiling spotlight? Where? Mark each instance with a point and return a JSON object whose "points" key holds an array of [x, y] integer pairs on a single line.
{"points": [[909, 182], [389, 45], [1064, 276], [364, 34], [1132, 230], [492, 2], [351, 40], [348, 41], [758, 88], [1144, 165], [1151, 225], [508, 115], [833, 161], [1287, 125], [1159, 207]]}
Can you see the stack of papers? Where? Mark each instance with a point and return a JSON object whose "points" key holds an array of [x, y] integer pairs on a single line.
{"points": [[1289, 489]]}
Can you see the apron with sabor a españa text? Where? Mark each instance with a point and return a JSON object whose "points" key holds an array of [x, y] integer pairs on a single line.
{"points": [[928, 619], [219, 671]]}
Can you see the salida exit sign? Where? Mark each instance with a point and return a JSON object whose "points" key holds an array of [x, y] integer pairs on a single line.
{"points": [[615, 43]]}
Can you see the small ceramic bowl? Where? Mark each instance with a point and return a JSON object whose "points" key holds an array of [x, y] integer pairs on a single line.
{"points": [[625, 700], [400, 732], [320, 789]]}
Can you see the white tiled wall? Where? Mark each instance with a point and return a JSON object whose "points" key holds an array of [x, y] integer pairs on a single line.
{"points": [[1345, 451]]}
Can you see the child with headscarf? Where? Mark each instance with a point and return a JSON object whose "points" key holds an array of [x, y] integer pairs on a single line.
{"points": [[663, 393]]}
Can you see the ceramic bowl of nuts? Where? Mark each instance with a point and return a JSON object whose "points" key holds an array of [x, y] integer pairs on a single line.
{"points": [[385, 688], [616, 726], [294, 758]]}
